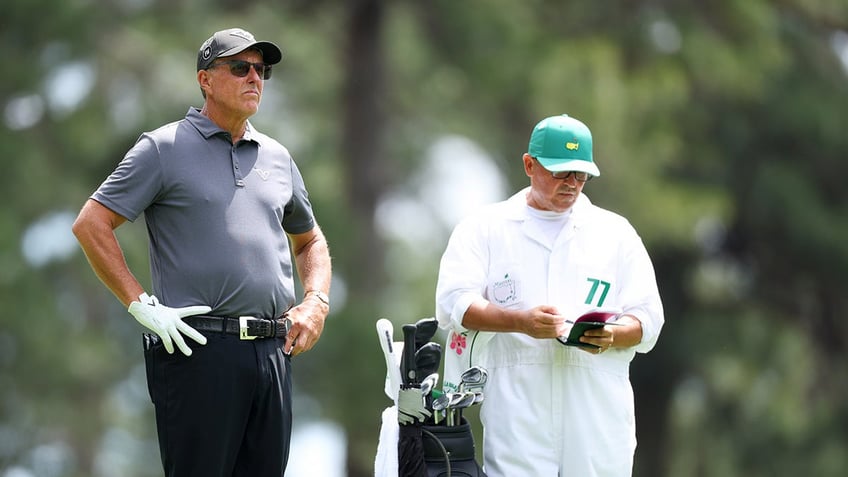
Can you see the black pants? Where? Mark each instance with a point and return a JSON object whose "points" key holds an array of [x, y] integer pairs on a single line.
{"points": [[224, 411]]}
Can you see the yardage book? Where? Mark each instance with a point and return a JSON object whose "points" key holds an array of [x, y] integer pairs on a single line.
{"points": [[590, 320]]}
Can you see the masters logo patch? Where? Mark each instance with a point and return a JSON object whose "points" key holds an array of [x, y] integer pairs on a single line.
{"points": [[505, 291]]}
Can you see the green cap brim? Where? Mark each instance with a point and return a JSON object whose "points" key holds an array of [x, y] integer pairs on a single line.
{"points": [[558, 165]]}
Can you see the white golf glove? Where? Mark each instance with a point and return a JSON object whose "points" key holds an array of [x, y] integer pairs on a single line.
{"points": [[167, 322], [411, 406]]}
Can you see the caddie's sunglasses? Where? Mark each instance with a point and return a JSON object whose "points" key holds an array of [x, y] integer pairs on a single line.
{"points": [[562, 175], [580, 176], [241, 68]]}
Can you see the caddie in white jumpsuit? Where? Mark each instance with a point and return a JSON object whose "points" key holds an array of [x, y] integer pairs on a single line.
{"points": [[511, 277]]}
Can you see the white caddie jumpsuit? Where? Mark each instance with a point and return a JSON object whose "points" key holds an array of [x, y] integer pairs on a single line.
{"points": [[550, 410]]}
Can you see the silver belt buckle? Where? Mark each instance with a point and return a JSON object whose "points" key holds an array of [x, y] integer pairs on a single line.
{"points": [[243, 328]]}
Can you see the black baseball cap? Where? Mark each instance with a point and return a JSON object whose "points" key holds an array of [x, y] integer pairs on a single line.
{"points": [[232, 42]]}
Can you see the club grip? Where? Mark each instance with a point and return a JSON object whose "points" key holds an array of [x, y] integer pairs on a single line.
{"points": [[408, 359]]}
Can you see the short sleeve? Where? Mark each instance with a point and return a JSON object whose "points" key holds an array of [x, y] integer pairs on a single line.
{"points": [[135, 182], [298, 217]]}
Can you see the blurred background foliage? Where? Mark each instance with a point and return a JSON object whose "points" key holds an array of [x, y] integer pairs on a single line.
{"points": [[719, 128]]}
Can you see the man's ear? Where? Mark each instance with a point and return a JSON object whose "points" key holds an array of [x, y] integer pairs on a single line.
{"points": [[204, 79], [529, 163]]}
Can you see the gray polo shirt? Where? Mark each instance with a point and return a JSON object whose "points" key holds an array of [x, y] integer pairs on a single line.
{"points": [[217, 215]]}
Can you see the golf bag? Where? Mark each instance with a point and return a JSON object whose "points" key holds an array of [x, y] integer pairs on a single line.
{"points": [[449, 451], [413, 441]]}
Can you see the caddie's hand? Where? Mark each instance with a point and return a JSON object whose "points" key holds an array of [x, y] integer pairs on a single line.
{"points": [[167, 322], [544, 322], [411, 406]]}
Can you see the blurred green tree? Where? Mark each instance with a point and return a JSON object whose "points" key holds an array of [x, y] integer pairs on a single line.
{"points": [[719, 128]]}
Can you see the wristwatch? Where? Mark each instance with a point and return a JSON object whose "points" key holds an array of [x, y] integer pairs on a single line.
{"points": [[319, 295]]}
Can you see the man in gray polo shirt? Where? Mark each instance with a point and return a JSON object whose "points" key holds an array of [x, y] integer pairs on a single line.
{"points": [[226, 209]]}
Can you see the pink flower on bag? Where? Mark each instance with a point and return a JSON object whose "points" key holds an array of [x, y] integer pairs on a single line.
{"points": [[458, 343]]}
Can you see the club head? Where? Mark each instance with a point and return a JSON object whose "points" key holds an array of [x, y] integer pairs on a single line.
{"points": [[385, 331], [441, 402], [429, 383], [428, 358], [462, 400], [473, 377], [453, 399], [425, 329]]}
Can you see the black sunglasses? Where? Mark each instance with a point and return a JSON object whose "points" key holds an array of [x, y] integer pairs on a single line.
{"points": [[579, 175], [562, 175], [241, 68]]}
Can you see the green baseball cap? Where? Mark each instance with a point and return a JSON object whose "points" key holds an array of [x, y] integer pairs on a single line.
{"points": [[562, 143]]}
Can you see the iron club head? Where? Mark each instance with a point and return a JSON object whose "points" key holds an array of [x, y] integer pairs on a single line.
{"points": [[473, 377]]}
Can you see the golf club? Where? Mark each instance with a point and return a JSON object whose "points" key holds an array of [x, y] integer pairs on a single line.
{"points": [[428, 358], [427, 386], [474, 377], [439, 405], [385, 330], [409, 373], [458, 402], [425, 329]]}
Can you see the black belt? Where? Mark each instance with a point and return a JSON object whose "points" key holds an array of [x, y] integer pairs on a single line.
{"points": [[246, 327]]}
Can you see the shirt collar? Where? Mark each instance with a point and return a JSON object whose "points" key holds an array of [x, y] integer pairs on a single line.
{"points": [[516, 206], [207, 128]]}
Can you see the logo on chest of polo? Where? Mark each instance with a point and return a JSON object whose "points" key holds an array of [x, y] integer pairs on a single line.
{"points": [[262, 173], [505, 291]]}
